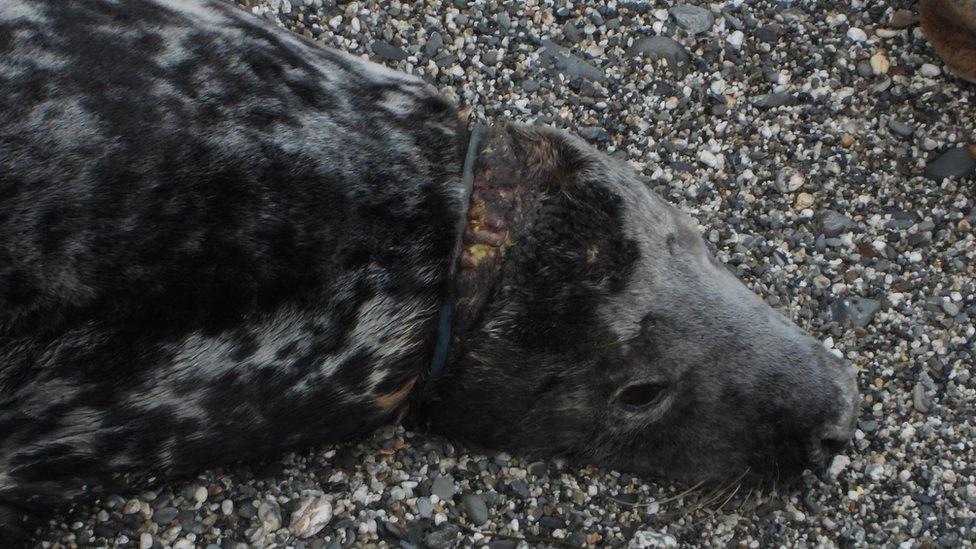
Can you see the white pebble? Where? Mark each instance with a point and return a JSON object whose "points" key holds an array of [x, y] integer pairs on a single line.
{"points": [[839, 463], [145, 540], [736, 39], [708, 159], [200, 494], [311, 517], [929, 70], [856, 34]]}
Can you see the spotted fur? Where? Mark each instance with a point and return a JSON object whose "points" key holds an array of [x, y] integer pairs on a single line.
{"points": [[220, 242], [215, 240]]}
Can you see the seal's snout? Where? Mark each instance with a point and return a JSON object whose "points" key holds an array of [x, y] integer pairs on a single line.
{"points": [[834, 434]]}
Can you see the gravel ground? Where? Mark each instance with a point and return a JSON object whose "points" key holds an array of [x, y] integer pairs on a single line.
{"points": [[812, 141]]}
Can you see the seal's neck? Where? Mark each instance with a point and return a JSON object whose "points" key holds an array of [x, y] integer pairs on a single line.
{"points": [[496, 207]]}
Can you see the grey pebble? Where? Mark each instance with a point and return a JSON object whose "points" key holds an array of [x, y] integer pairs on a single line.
{"points": [[900, 128], [530, 85], [955, 162], [443, 487], [434, 44], [659, 47], [773, 100], [561, 60], [862, 310], [921, 400], [475, 508], [443, 538], [424, 507], [572, 33], [833, 223], [165, 515], [693, 18]]}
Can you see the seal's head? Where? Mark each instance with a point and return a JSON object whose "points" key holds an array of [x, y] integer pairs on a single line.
{"points": [[592, 322]]}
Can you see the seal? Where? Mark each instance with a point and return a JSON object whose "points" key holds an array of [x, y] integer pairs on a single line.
{"points": [[222, 242], [950, 25]]}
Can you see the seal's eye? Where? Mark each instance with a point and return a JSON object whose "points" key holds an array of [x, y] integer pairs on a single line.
{"points": [[640, 395]]}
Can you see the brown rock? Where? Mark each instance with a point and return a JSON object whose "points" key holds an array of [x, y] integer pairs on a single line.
{"points": [[950, 26], [902, 19]]}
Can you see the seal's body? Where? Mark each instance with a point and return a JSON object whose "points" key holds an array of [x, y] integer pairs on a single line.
{"points": [[221, 242]]}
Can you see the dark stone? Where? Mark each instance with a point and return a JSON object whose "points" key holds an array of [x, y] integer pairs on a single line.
{"points": [[443, 538], [475, 508], [773, 100], [572, 33], [957, 162], [388, 51], [834, 223]]}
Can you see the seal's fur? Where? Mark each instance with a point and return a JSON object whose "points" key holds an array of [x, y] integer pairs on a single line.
{"points": [[214, 239], [221, 242]]}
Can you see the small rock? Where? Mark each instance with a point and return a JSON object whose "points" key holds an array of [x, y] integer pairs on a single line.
{"points": [[563, 61], [862, 310], [902, 19], [388, 51], [864, 68], [200, 494], [880, 63], [475, 508], [443, 538], [772, 100], [875, 471], [652, 538], [145, 540], [708, 158], [311, 517], [736, 39], [900, 128], [572, 33], [834, 223], [434, 44], [443, 487], [803, 201], [837, 465], [659, 47], [594, 133], [424, 507], [529, 85], [694, 19], [929, 70], [921, 400], [269, 513], [856, 34], [956, 162], [165, 515]]}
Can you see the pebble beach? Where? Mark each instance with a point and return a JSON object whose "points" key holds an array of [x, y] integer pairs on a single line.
{"points": [[830, 159]]}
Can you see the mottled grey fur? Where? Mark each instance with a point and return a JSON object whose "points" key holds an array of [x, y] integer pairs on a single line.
{"points": [[219, 241]]}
